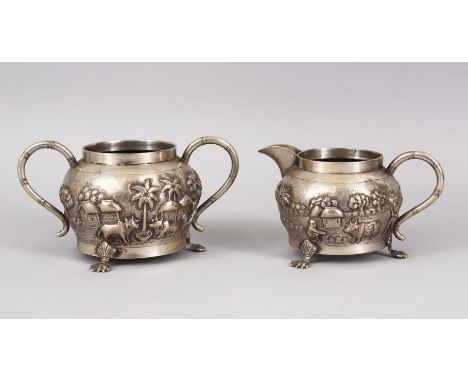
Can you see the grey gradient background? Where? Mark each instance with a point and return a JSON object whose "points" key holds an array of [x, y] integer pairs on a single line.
{"points": [[386, 107]]}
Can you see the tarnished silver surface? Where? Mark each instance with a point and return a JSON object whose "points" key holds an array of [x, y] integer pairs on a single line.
{"points": [[338, 201], [130, 199]]}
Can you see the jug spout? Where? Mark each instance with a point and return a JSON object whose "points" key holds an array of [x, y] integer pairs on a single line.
{"points": [[285, 156]]}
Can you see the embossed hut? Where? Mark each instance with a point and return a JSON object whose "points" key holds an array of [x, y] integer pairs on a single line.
{"points": [[332, 217], [90, 213], [109, 212], [171, 211]]}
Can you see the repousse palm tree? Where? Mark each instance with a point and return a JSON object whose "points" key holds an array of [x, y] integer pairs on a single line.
{"points": [[174, 188], [145, 196]]}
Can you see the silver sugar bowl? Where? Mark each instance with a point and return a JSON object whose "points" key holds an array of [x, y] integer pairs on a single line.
{"points": [[130, 199]]}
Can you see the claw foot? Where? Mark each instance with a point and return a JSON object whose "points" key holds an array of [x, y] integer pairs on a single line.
{"points": [[308, 249], [100, 267], [105, 253], [300, 264]]}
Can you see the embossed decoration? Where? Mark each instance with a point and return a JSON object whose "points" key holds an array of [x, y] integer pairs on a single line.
{"points": [[359, 230], [177, 207], [66, 197], [101, 216], [157, 209], [144, 195], [194, 185], [342, 201], [94, 210], [362, 217], [136, 198], [119, 229], [283, 195]]}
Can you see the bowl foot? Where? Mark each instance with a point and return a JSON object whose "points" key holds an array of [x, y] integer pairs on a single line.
{"points": [[105, 253]]}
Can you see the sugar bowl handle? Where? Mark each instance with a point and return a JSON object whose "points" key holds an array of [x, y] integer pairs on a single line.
{"points": [[431, 199], [228, 183], [30, 191]]}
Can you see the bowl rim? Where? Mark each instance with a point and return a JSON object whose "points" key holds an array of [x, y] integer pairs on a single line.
{"points": [[128, 152]]}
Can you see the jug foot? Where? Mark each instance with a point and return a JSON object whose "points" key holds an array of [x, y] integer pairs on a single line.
{"points": [[393, 252], [308, 249], [193, 246], [105, 253]]}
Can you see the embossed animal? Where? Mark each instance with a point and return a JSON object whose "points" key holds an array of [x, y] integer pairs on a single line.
{"points": [[164, 228], [120, 229], [359, 231]]}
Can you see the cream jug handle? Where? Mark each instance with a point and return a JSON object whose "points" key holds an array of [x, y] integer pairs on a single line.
{"points": [[431, 199], [30, 191], [228, 183]]}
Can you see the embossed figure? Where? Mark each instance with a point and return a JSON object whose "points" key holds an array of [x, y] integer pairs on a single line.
{"points": [[119, 229], [353, 200], [130, 199], [362, 230], [164, 228], [312, 230]]}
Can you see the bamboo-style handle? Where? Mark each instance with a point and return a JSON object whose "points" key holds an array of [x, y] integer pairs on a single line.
{"points": [[30, 191], [431, 199], [228, 183]]}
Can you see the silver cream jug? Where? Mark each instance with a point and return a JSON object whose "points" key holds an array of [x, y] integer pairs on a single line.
{"points": [[339, 201]]}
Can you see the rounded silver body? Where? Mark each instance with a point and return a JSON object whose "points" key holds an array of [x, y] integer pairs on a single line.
{"points": [[128, 207], [130, 199], [342, 201], [344, 214]]}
